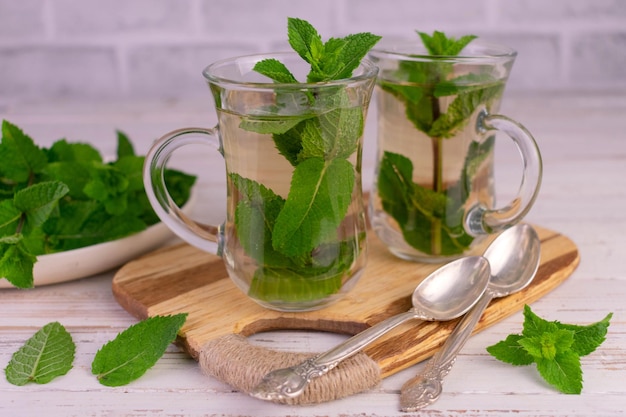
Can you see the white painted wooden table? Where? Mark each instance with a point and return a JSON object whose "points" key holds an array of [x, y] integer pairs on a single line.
{"points": [[583, 140]]}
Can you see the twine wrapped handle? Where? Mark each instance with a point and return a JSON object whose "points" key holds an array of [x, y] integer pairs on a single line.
{"points": [[242, 365]]}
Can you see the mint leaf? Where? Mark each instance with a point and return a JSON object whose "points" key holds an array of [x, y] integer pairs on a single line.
{"points": [[38, 201], [511, 351], [462, 108], [255, 216], [563, 372], [268, 125], [49, 353], [535, 325], [74, 174], [334, 134], [64, 151], [9, 217], [588, 338], [16, 262], [124, 146], [19, 155], [318, 200], [135, 350], [342, 56], [341, 129], [305, 40], [276, 70]]}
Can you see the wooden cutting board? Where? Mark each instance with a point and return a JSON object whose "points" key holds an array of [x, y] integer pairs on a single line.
{"points": [[182, 278]]}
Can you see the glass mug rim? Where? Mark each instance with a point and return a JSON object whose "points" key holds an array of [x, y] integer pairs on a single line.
{"points": [[365, 71], [477, 52]]}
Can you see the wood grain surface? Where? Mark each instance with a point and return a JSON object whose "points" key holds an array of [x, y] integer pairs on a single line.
{"points": [[182, 278]]}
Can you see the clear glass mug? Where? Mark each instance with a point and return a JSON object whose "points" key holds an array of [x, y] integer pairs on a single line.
{"points": [[294, 238], [433, 194]]}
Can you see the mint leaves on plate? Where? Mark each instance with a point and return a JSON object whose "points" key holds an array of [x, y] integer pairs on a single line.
{"points": [[430, 216], [300, 231], [67, 197], [555, 348], [49, 353]]}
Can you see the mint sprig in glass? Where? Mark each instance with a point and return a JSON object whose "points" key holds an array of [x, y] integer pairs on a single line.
{"points": [[306, 255], [433, 194], [290, 128]]}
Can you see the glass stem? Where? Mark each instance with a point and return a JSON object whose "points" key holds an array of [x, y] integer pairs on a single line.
{"points": [[438, 188], [437, 181]]}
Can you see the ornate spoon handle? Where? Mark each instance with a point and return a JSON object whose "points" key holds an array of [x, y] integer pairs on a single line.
{"points": [[425, 388], [291, 382]]}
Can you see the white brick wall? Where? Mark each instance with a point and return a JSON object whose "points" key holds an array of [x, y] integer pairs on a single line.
{"points": [[111, 49]]}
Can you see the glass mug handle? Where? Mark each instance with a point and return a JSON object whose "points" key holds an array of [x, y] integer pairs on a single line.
{"points": [[482, 220], [204, 237]]}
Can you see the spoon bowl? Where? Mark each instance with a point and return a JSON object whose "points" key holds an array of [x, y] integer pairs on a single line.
{"points": [[514, 258], [451, 290], [445, 294]]}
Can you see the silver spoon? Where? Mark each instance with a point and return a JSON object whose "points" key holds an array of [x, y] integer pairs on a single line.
{"points": [[514, 259], [445, 294]]}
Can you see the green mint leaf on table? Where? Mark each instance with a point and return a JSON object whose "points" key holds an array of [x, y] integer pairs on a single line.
{"points": [[510, 351], [554, 347], [49, 353], [66, 197], [431, 220], [135, 350], [316, 133], [563, 372]]}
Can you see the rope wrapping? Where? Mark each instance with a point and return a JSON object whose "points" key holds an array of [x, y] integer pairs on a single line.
{"points": [[242, 365]]}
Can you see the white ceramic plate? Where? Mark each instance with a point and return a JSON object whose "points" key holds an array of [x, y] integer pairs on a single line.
{"points": [[95, 259]]}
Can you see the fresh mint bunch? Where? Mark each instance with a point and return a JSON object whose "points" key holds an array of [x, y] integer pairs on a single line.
{"points": [[67, 197], [554, 347], [430, 216], [317, 142]]}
